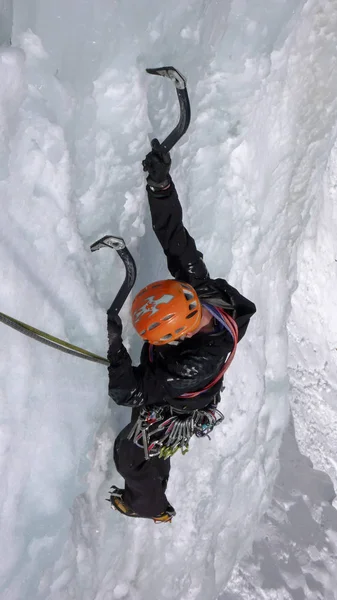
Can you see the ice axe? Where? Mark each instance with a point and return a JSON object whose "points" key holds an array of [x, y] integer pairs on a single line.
{"points": [[52, 341], [185, 110], [118, 243]]}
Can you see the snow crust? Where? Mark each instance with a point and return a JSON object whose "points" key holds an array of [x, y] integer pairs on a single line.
{"points": [[256, 174]]}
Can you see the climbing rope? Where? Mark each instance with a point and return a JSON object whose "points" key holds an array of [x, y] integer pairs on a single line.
{"points": [[50, 340]]}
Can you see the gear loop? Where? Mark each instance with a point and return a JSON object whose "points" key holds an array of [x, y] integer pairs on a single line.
{"points": [[162, 432]]}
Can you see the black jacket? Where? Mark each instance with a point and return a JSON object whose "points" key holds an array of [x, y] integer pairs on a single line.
{"points": [[195, 362]]}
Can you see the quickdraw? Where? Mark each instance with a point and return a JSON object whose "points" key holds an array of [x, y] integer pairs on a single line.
{"points": [[161, 432]]}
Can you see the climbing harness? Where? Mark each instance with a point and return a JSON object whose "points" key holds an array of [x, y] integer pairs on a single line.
{"points": [[160, 431]]}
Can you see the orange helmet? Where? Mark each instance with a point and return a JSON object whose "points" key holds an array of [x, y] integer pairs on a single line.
{"points": [[165, 310]]}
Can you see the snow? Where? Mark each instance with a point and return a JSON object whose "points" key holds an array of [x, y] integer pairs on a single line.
{"points": [[256, 174]]}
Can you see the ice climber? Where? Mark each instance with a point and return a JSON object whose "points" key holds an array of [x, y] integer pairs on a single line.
{"points": [[190, 325]]}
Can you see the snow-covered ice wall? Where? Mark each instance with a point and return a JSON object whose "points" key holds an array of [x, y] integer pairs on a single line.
{"points": [[256, 177], [6, 21]]}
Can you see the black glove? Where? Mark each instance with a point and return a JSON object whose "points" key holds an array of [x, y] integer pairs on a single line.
{"points": [[157, 163], [115, 329]]}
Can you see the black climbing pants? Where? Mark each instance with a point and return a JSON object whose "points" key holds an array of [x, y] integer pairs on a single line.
{"points": [[145, 480]]}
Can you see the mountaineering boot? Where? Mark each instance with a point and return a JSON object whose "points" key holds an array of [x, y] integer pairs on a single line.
{"points": [[166, 516], [117, 503]]}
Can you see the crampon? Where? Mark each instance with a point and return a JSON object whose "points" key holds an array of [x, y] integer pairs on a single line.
{"points": [[117, 503]]}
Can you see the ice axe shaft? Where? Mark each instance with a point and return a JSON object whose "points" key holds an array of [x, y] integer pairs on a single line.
{"points": [[118, 244], [185, 110]]}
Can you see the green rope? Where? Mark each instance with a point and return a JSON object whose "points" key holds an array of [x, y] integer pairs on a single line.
{"points": [[50, 340]]}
